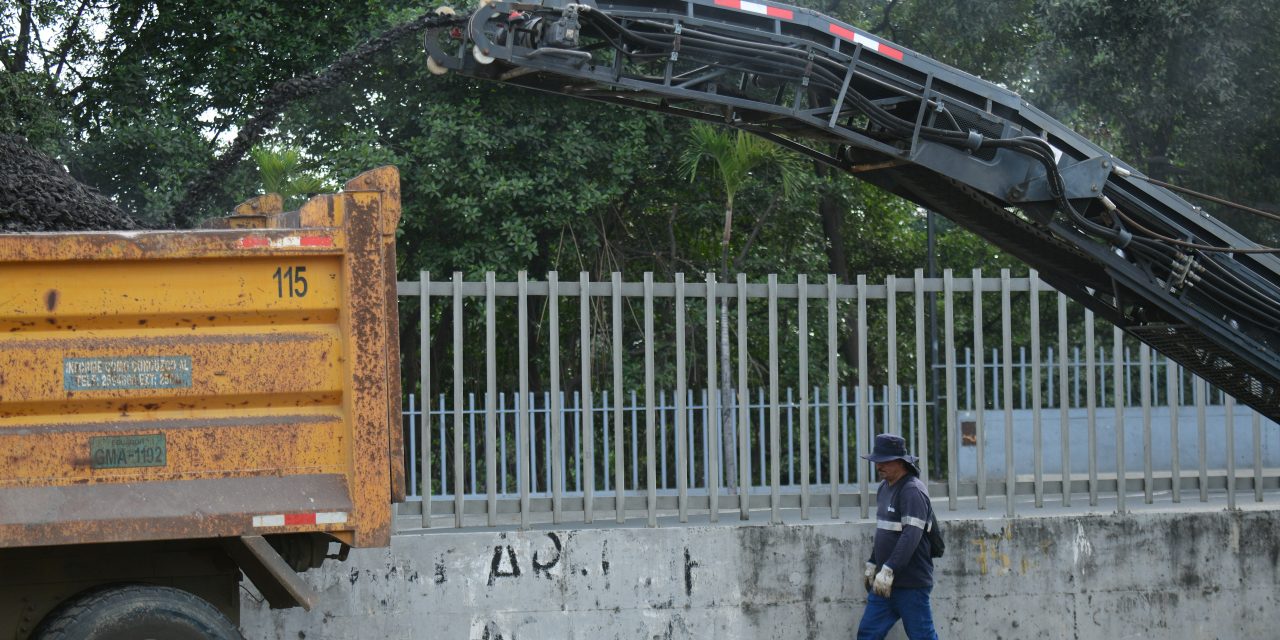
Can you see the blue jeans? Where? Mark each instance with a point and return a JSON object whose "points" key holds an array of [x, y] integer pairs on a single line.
{"points": [[910, 605]]}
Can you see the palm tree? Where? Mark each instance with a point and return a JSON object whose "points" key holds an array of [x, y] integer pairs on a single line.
{"points": [[282, 173], [739, 158]]}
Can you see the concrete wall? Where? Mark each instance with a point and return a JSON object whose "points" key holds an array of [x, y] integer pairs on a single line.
{"points": [[1152, 575]]}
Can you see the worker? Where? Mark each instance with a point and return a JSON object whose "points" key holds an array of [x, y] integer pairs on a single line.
{"points": [[899, 575]]}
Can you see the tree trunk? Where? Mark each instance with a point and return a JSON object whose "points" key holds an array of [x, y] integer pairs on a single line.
{"points": [[23, 45], [837, 260]]}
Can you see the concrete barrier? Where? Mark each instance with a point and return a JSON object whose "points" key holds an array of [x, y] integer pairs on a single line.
{"points": [[1210, 574]]}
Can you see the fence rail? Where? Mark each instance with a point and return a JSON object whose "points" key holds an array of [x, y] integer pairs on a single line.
{"points": [[789, 434]]}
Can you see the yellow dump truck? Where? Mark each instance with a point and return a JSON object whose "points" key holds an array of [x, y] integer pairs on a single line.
{"points": [[179, 407]]}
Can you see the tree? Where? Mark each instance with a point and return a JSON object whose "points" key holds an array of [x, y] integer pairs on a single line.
{"points": [[738, 157], [1186, 90], [282, 173], [145, 93]]}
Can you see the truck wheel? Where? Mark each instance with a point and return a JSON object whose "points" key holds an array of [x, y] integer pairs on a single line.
{"points": [[137, 612]]}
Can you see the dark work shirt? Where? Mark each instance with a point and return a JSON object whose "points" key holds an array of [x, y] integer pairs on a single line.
{"points": [[902, 513]]}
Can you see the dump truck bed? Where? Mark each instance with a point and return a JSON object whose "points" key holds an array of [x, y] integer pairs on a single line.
{"points": [[204, 383]]}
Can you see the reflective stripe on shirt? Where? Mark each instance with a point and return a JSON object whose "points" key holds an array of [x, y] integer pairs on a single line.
{"points": [[915, 522], [888, 526], [897, 526]]}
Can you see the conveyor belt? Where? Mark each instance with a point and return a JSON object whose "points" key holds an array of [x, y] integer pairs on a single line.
{"points": [[954, 143]]}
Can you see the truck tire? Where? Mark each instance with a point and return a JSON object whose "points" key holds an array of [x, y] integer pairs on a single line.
{"points": [[137, 612]]}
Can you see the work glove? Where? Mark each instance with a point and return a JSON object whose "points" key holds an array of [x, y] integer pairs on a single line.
{"points": [[883, 584], [868, 575]]}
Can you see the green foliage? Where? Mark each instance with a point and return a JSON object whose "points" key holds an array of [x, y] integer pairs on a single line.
{"points": [[282, 172], [144, 164], [1186, 90], [738, 156], [493, 178], [137, 95], [25, 109], [992, 39]]}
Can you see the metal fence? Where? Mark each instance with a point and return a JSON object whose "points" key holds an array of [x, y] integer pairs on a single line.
{"points": [[626, 445]]}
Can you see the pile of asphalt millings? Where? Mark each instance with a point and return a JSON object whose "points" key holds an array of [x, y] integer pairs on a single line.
{"points": [[37, 194]]}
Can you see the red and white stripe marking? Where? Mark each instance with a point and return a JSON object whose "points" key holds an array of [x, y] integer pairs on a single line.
{"points": [[755, 7], [866, 41], [786, 14], [253, 242], [293, 519]]}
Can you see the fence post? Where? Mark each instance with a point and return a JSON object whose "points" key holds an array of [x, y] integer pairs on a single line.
{"points": [[802, 322], [775, 416], [619, 462], [1064, 404], [979, 388], [922, 430], [1257, 456], [1229, 403], [953, 473], [833, 469], [524, 431], [1033, 287], [1006, 361], [413, 446], [424, 368], [1144, 391], [490, 398], [713, 444], [635, 442], [863, 439], [444, 448], [458, 486], [1200, 392], [762, 433], [661, 452], [892, 403], [471, 438], [744, 407], [1118, 395], [588, 419], [651, 463], [1091, 401], [555, 420], [1173, 391], [682, 456]]}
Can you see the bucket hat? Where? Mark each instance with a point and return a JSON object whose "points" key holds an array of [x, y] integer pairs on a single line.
{"points": [[891, 447]]}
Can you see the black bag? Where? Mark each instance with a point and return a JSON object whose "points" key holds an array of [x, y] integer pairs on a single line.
{"points": [[937, 546]]}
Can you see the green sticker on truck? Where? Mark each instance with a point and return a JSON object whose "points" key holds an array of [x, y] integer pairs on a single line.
{"points": [[119, 452], [127, 372]]}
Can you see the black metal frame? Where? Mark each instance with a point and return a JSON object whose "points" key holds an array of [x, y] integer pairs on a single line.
{"points": [[795, 81]]}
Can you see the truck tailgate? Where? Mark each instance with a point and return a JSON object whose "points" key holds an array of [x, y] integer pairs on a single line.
{"points": [[203, 383]]}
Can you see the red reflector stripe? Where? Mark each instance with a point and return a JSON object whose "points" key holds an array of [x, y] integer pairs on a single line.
{"points": [[252, 242], [299, 518], [756, 7], [858, 38], [296, 519]]}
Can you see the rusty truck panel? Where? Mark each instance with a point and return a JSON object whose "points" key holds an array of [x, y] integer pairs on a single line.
{"points": [[223, 382]]}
